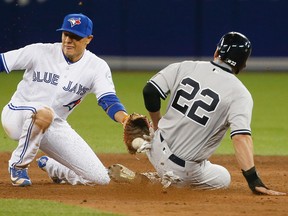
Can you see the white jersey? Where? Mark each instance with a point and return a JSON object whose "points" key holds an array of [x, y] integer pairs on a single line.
{"points": [[206, 99], [51, 80]]}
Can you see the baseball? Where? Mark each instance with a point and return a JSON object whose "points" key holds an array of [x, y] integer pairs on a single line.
{"points": [[137, 142]]}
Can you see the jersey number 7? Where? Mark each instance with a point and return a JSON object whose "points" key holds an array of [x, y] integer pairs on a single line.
{"points": [[196, 104]]}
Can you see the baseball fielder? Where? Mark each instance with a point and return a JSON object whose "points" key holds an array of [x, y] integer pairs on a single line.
{"points": [[57, 78], [206, 99]]}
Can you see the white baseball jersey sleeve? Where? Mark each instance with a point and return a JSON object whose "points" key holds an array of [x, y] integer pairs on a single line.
{"points": [[50, 79], [206, 99]]}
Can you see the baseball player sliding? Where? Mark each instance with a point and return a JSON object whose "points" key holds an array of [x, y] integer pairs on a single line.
{"points": [[57, 78], [206, 99]]}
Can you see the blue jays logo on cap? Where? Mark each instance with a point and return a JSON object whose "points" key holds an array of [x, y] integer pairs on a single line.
{"points": [[78, 24], [74, 21]]}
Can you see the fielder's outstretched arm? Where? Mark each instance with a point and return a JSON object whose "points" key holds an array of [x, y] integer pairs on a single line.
{"points": [[113, 107]]}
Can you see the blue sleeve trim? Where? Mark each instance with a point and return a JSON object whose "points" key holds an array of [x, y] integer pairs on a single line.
{"points": [[3, 66], [105, 94], [111, 104]]}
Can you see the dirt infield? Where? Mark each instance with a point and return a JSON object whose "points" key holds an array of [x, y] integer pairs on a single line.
{"points": [[152, 200]]}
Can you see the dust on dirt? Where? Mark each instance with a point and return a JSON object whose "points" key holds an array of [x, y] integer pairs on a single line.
{"points": [[140, 200]]}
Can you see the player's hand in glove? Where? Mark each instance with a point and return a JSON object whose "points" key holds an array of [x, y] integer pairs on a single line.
{"points": [[149, 137], [146, 145], [256, 185], [135, 127]]}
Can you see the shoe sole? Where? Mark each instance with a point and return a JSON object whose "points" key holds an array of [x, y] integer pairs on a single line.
{"points": [[25, 183]]}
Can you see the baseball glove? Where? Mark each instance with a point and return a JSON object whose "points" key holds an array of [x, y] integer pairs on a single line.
{"points": [[135, 126]]}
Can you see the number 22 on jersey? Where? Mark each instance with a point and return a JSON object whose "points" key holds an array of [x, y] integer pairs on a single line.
{"points": [[191, 110]]}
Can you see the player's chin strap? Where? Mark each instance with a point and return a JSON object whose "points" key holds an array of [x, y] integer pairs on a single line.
{"points": [[253, 179]]}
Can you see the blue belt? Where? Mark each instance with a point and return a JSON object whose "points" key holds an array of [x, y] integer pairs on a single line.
{"points": [[173, 157]]}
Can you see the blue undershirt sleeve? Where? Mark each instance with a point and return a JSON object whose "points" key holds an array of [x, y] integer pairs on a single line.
{"points": [[111, 104]]}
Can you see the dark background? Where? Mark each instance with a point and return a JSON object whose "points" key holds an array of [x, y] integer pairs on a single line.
{"points": [[151, 27]]}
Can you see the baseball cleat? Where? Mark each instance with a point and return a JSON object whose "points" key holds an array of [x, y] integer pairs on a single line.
{"points": [[120, 173], [41, 162], [19, 177]]}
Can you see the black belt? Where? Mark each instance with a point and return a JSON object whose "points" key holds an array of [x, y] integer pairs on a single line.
{"points": [[173, 157]]}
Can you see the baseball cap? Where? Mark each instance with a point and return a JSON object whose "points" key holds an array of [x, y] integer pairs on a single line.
{"points": [[78, 24]]}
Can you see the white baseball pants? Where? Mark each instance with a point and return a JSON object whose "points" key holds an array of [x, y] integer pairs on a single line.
{"points": [[204, 175], [74, 160]]}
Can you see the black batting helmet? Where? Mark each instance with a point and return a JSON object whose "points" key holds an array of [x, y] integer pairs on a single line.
{"points": [[234, 49]]}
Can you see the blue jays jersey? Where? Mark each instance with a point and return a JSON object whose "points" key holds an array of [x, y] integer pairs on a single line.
{"points": [[51, 80]]}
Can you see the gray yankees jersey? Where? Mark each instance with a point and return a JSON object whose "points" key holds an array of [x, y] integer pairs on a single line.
{"points": [[51, 80], [206, 99]]}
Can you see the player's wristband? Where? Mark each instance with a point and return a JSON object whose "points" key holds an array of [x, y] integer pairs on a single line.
{"points": [[253, 179], [124, 119]]}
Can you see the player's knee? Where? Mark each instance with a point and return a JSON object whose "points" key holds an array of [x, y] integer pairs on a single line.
{"points": [[103, 180], [43, 118], [98, 178], [226, 178]]}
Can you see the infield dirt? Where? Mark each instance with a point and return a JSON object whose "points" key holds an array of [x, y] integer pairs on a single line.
{"points": [[139, 200]]}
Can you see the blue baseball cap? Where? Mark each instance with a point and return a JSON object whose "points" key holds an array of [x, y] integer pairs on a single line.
{"points": [[78, 24]]}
